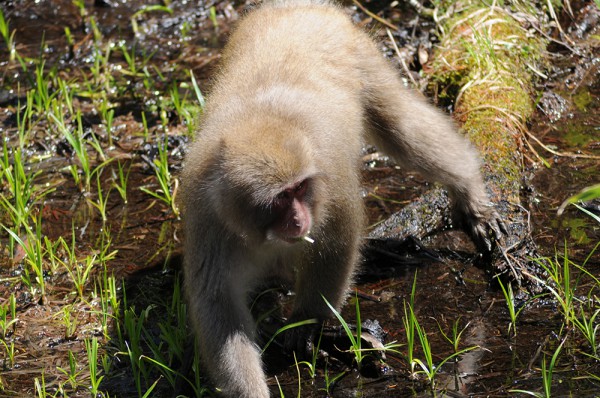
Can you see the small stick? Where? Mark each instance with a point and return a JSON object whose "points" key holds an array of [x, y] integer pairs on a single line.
{"points": [[308, 239]]}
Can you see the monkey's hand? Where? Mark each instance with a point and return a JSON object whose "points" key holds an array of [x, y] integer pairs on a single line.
{"points": [[301, 334], [483, 224]]}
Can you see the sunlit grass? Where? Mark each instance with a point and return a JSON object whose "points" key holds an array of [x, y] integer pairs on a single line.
{"points": [[428, 366], [72, 373], [8, 316], [9, 354], [120, 180], [560, 283], [33, 247], [8, 36], [55, 111], [91, 347], [21, 194], [353, 337], [168, 184]]}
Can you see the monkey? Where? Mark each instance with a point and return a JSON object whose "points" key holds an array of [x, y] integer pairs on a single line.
{"points": [[271, 183]]}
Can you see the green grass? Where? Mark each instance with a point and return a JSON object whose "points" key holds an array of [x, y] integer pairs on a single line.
{"points": [[409, 322], [168, 185], [353, 337], [71, 265], [8, 36]]}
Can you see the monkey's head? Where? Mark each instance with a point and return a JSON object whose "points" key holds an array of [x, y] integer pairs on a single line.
{"points": [[269, 188]]}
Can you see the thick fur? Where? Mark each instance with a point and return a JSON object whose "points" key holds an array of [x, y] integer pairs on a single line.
{"points": [[299, 91]]}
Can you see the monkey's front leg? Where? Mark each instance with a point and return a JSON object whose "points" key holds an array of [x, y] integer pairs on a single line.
{"points": [[326, 274], [225, 333]]}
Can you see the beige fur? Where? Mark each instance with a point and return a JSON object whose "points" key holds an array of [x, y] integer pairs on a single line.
{"points": [[299, 91]]}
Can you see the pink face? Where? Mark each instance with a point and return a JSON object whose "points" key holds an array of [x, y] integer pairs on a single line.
{"points": [[292, 213]]}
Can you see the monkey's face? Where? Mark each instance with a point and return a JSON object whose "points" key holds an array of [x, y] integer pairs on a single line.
{"points": [[284, 216], [291, 212], [268, 194]]}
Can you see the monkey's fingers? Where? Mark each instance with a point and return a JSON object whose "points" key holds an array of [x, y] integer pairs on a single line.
{"points": [[485, 233], [480, 234], [497, 225]]}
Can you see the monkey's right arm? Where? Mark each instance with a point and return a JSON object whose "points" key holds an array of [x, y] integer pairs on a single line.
{"points": [[217, 309]]}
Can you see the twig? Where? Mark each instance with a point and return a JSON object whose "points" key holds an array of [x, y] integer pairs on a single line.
{"points": [[402, 62], [374, 16], [563, 154], [422, 10]]}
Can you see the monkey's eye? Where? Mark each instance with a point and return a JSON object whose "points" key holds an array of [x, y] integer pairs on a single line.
{"points": [[282, 198], [282, 195], [300, 188]]}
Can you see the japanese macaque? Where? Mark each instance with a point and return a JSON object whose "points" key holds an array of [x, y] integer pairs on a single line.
{"points": [[271, 185]]}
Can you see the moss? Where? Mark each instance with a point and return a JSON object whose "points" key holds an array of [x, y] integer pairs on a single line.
{"points": [[577, 228], [582, 99], [578, 135], [488, 57], [482, 42], [497, 144]]}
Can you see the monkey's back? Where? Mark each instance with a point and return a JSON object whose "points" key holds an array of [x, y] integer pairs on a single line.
{"points": [[300, 63]]}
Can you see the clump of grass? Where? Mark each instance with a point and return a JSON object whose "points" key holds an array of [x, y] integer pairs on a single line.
{"points": [[32, 245], [588, 326], [355, 339], [510, 304], [560, 284], [101, 199], [409, 328], [72, 373], [312, 364], [8, 36], [414, 330], [107, 115], [8, 316], [168, 184], [9, 354], [428, 367], [153, 357], [91, 347], [21, 194], [78, 143], [547, 371], [39, 385], [134, 326], [331, 380], [110, 305], [120, 180]]}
